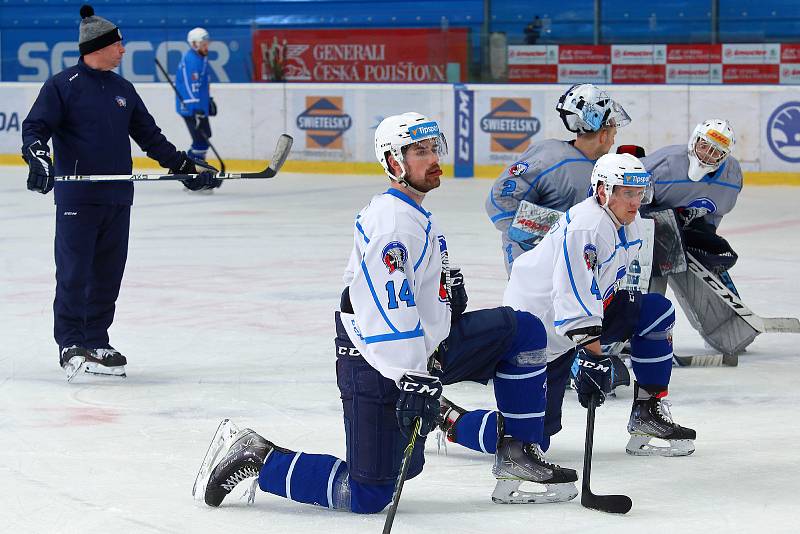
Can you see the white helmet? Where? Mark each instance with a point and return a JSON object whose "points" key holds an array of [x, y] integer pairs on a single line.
{"points": [[197, 35], [710, 144], [398, 131], [621, 169], [584, 108]]}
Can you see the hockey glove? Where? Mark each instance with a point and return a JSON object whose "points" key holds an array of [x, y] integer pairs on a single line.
{"points": [[40, 167], [593, 378], [419, 397], [710, 249], [212, 107], [458, 295], [205, 178]]}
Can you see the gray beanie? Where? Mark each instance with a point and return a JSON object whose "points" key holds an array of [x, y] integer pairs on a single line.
{"points": [[96, 32]]}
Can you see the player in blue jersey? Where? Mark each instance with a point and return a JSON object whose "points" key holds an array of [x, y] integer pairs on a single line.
{"points": [[401, 334], [553, 173], [193, 101]]}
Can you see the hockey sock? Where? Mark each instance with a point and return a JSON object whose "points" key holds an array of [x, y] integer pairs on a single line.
{"points": [[477, 430], [651, 347], [520, 394], [308, 478]]}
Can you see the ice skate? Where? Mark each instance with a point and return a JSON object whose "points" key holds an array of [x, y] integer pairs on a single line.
{"points": [[650, 418], [448, 415], [106, 362], [73, 360], [516, 462], [233, 456]]}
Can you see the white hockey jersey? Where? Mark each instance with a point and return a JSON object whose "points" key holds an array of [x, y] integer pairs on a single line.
{"points": [[399, 281], [572, 275]]}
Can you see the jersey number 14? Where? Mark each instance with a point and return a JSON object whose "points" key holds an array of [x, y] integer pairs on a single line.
{"points": [[405, 295]]}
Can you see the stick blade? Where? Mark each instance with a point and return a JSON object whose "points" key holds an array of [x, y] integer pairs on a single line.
{"points": [[282, 150], [784, 325], [611, 504]]}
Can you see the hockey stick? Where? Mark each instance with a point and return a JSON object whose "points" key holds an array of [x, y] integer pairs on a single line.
{"points": [[282, 150], [205, 137], [613, 504], [762, 325], [401, 479]]}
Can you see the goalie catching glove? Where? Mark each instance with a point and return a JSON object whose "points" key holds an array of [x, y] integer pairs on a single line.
{"points": [[206, 174]]}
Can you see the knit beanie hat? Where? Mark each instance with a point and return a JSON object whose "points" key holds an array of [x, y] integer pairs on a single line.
{"points": [[96, 32]]}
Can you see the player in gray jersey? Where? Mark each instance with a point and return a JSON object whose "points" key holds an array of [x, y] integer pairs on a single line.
{"points": [[694, 187], [553, 173]]}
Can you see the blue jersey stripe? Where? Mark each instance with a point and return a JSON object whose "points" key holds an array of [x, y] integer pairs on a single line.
{"points": [[417, 332], [408, 200], [375, 298], [361, 230], [425, 249], [569, 270]]}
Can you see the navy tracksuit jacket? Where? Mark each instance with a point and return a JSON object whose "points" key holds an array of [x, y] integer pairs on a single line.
{"points": [[91, 116]]}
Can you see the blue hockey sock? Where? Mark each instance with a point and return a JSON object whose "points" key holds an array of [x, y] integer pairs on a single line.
{"points": [[520, 394], [652, 361], [307, 478], [477, 430]]}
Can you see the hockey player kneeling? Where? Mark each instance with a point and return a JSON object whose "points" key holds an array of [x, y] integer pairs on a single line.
{"points": [[571, 281], [401, 334]]}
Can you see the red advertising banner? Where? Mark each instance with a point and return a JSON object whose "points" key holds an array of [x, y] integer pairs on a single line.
{"points": [[638, 73], [584, 54], [533, 73], [790, 53], [750, 73], [694, 54], [361, 55]]}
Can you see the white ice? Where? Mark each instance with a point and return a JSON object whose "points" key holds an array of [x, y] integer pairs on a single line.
{"points": [[226, 310]]}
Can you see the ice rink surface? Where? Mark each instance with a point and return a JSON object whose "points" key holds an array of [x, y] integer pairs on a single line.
{"points": [[226, 310]]}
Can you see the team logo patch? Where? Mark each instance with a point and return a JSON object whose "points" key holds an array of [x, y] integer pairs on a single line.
{"points": [[395, 256], [121, 102], [519, 168], [510, 124], [590, 256], [699, 207], [324, 121]]}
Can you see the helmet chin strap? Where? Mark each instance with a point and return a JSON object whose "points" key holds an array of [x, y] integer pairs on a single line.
{"points": [[405, 183], [608, 210]]}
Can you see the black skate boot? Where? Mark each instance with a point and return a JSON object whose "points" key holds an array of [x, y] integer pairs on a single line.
{"points": [[448, 415], [516, 462], [106, 361], [650, 418], [233, 456]]}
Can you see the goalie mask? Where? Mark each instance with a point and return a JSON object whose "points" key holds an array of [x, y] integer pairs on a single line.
{"points": [[711, 142], [399, 131], [612, 170], [584, 109]]}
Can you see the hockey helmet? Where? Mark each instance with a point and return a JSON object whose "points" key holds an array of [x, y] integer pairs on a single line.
{"points": [[584, 108], [197, 35], [398, 131], [621, 169], [709, 146]]}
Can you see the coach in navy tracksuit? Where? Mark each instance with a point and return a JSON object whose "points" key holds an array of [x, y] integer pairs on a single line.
{"points": [[90, 112]]}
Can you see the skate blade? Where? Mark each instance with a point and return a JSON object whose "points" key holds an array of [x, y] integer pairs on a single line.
{"points": [[74, 366], [639, 445], [91, 368], [219, 443], [507, 491]]}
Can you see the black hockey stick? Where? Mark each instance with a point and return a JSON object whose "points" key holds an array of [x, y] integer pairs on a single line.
{"points": [[282, 150], [613, 504], [205, 137], [401, 479]]}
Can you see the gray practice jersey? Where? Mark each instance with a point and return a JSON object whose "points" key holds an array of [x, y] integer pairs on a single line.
{"points": [[551, 173], [712, 197]]}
